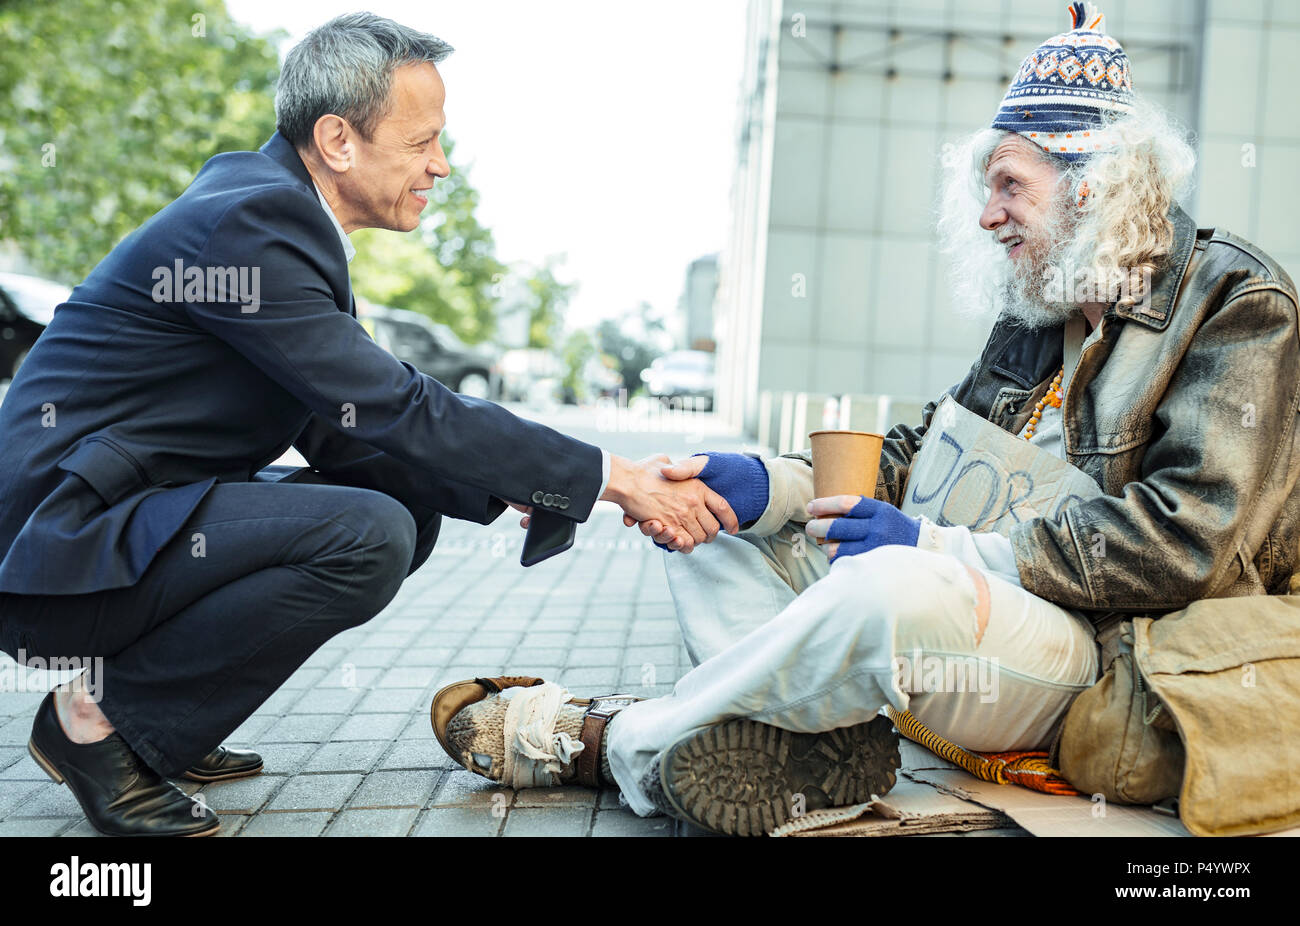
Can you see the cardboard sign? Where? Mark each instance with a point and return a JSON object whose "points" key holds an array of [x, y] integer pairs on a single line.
{"points": [[970, 472]]}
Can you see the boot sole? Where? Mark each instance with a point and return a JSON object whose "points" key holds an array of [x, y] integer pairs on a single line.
{"points": [[48, 768], [746, 778]]}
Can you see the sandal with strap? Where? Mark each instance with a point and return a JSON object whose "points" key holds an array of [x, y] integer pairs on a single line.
{"points": [[523, 731]]}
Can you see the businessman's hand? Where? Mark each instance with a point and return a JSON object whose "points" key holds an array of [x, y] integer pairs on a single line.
{"points": [[653, 528], [689, 511], [525, 510], [739, 478]]}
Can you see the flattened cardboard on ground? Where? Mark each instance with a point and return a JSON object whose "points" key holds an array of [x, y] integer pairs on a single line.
{"points": [[972, 473], [934, 796], [1053, 814], [1058, 815], [909, 809], [959, 802]]}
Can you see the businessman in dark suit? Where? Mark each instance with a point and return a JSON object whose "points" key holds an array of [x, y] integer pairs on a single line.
{"points": [[140, 524]]}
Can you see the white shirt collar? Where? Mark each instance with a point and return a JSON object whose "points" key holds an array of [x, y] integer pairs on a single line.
{"points": [[348, 250]]}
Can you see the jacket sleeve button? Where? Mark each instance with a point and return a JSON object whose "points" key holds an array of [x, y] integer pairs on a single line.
{"points": [[537, 497], [564, 503], [548, 499]]}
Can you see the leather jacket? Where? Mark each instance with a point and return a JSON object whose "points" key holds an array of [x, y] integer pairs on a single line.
{"points": [[1184, 411]]}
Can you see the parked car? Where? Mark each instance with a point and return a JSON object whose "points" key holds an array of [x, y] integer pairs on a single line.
{"points": [[601, 379], [431, 348], [27, 305], [530, 374], [683, 377]]}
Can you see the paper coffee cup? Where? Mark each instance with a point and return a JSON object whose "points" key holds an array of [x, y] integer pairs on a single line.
{"points": [[845, 462]]}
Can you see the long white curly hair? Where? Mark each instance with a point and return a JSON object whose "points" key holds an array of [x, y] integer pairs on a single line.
{"points": [[1119, 231]]}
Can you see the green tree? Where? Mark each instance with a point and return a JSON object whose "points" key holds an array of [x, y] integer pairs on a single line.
{"points": [[579, 348], [634, 340], [549, 298], [112, 109]]}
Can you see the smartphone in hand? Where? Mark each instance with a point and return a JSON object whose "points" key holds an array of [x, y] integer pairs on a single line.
{"points": [[548, 534]]}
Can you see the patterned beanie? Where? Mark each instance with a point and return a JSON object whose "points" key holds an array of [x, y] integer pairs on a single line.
{"points": [[1058, 97]]}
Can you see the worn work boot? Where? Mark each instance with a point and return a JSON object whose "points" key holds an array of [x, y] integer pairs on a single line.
{"points": [[746, 778]]}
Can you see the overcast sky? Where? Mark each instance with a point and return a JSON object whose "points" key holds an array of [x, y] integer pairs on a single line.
{"points": [[602, 129]]}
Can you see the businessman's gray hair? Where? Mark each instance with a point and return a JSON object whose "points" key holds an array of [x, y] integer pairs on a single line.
{"points": [[345, 67]]}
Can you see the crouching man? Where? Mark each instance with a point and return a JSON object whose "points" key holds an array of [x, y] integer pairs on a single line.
{"points": [[1178, 394]]}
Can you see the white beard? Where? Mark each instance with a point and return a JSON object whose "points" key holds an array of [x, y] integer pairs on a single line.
{"points": [[1022, 298], [986, 282]]}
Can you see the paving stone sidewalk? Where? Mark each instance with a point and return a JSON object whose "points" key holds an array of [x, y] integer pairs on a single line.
{"points": [[347, 742]]}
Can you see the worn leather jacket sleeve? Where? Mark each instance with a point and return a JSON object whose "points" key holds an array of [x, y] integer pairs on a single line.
{"points": [[1218, 449]]}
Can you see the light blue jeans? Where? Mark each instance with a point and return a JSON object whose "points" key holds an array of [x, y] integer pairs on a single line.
{"points": [[780, 636]]}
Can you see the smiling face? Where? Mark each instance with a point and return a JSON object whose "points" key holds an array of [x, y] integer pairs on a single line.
{"points": [[388, 183], [1029, 217], [1023, 196]]}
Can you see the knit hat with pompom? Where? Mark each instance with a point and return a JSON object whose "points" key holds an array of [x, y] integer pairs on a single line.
{"points": [[1060, 96]]}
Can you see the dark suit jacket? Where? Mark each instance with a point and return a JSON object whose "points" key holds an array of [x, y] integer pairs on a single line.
{"points": [[134, 402]]}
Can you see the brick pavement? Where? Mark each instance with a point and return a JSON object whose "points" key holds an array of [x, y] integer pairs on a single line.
{"points": [[347, 742]]}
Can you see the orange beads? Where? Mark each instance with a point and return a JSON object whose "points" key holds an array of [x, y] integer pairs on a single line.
{"points": [[1052, 397]]}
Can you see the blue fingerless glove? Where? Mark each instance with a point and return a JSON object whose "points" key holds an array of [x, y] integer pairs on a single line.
{"points": [[741, 480], [872, 523]]}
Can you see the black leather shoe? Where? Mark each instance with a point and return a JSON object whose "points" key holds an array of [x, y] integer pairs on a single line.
{"points": [[223, 764], [119, 793]]}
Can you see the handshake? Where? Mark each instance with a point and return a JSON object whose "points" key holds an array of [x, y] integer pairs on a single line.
{"points": [[683, 504], [687, 503]]}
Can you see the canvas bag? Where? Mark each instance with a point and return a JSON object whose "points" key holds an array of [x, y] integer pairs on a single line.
{"points": [[1202, 704], [1117, 739]]}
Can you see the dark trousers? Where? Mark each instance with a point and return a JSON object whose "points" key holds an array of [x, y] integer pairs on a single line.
{"points": [[262, 574]]}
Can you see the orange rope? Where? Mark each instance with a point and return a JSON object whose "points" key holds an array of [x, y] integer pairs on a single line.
{"points": [[1027, 768]]}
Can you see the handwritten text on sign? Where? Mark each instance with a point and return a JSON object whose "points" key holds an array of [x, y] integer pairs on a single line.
{"points": [[970, 472]]}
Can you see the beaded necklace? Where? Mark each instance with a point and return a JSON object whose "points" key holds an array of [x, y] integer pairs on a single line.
{"points": [[1052, 397]]}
